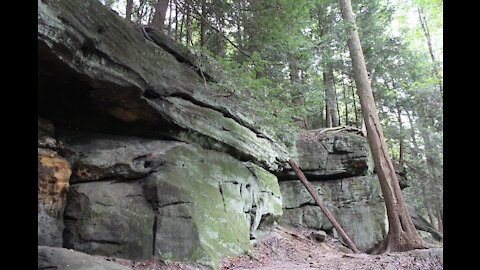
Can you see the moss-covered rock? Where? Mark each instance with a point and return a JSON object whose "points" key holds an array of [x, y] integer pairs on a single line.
{"points": [[210, 195], [98, 72], [354, 202], [198, 205]]}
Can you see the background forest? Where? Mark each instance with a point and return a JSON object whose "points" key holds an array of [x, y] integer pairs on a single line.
{"points": [[291, 60]]}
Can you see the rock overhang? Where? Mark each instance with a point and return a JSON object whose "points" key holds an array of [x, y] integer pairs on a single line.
{"points": [[96, 71]]}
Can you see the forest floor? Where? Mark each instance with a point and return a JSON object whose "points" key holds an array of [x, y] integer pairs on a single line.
{"points": [[289, 248]]}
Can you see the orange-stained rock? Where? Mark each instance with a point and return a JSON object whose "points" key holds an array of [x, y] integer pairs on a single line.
{"points": [[53, 181], [53, 178]]}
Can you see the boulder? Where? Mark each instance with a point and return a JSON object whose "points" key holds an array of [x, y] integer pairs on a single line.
{"points": [[355, 203], [136, 197], [422, 224], [67, 259], [208, 205], [331, 156], [319, 236], [109, 218]]}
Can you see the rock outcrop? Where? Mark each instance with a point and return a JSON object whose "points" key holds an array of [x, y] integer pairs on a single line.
{"points": [[330, 156], [355, 202], [98, 72], [53, 181], [341, 169], [140, 155], [135, 198]]}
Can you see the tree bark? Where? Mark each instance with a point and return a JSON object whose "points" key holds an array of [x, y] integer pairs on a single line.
{"points": [[400, 139], [402, 234], [322, 123], [328, 119], [320, 203], [176, 21], [338, 119], [345, 102], [128, 10], [169, 26], [440, 219], [298, 95], [202, 23], [357, 124], [332, 112], [158, 20], [188, 23]]}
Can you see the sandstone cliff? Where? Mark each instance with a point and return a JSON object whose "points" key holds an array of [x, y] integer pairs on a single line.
{"points": [[138, 155]]}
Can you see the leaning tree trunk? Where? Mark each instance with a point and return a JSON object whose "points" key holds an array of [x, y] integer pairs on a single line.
{"points": [[322, 206], [402, 234]]}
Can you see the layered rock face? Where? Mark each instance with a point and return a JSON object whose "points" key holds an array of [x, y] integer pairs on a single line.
{"points": [[93, 65], [340, 168], [155, 162], [136, 198], [53, 181], [140, 156]]}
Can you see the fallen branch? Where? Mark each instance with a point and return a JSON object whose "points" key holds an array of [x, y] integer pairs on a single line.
{"points": [[319, 202]]}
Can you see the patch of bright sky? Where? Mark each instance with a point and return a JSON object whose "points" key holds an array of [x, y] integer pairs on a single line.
{"points": [[406, 23]]}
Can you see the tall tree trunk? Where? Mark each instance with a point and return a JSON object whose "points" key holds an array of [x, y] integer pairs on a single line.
{"points": [[429, 149], [426, 32], [128, 10], [188, 22], [357, 124], [202, 23], [169, 26], [332, 112], [298, 95], [220, 45], [412, 135], [433, 167], [176, 21], [400, 139], [427, 204], [181, 27], [345, 101], [402, 234], [158, 20], [440, 219], [322, 123], [336, 102], [328, 120]]}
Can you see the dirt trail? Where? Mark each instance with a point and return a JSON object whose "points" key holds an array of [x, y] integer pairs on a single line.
{"points": [[289, 248]]}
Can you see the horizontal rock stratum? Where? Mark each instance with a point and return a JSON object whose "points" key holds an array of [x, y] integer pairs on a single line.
{"points": [[140, 157], [96, 71]]}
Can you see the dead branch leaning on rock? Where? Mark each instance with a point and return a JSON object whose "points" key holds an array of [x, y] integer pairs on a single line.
{"points": [[320, 134]]}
